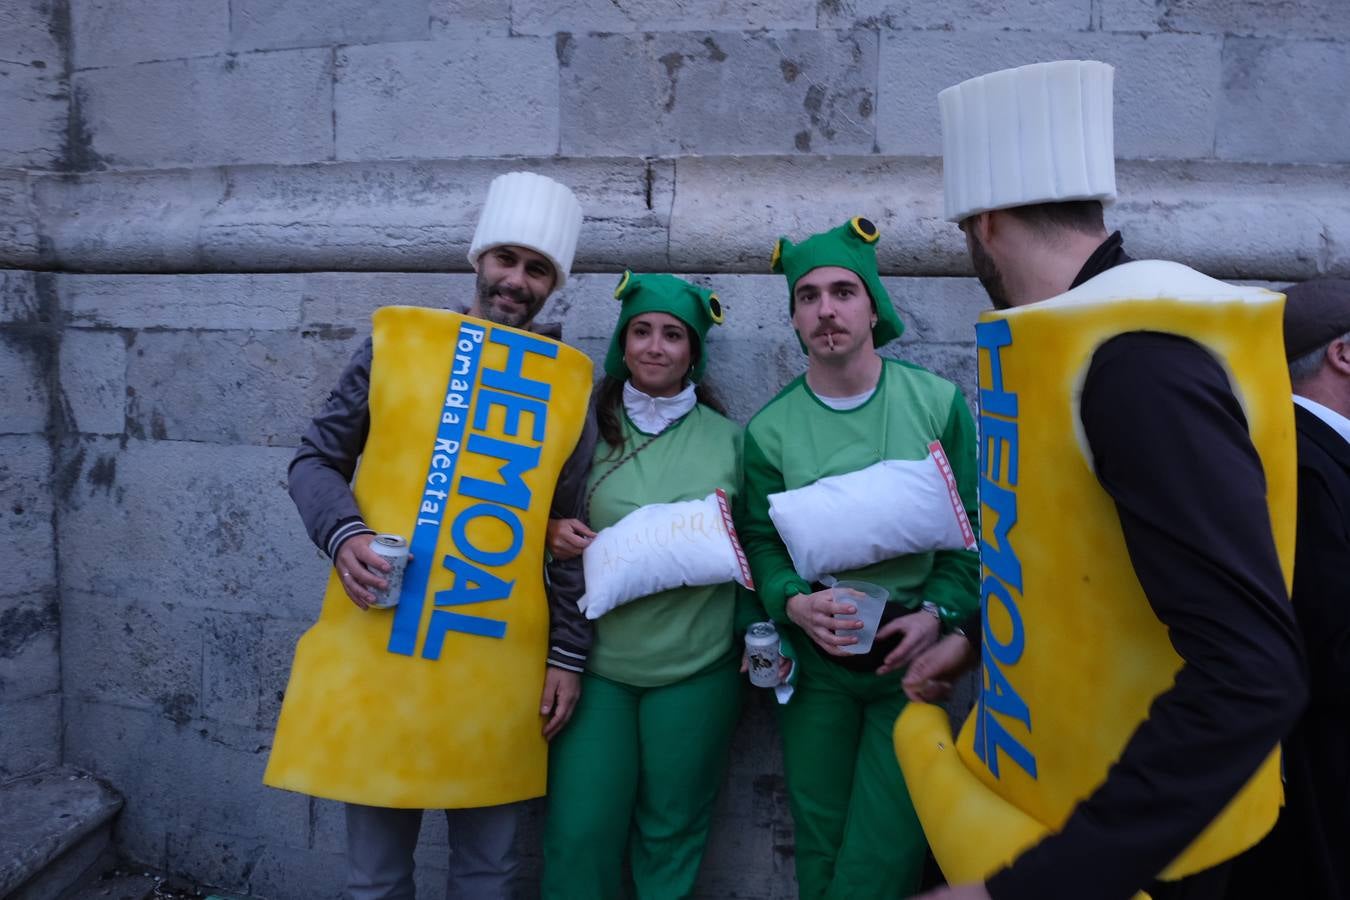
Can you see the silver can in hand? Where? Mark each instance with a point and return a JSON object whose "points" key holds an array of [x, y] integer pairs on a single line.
{"points": [[761, 650], [394, 550]]}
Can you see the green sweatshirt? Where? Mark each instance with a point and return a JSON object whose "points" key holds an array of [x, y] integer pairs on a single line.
{"points": [[673, 634], [796, 440]]}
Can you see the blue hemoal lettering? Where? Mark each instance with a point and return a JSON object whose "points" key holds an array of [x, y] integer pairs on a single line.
{"points": [[512, 406], [516, 460], [990, 338], [998, 450], [445, 453], [459, 531], [510, 378]]}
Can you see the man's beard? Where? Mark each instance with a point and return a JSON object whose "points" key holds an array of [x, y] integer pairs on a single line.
{"points": [[494, 311], [989, 275]]}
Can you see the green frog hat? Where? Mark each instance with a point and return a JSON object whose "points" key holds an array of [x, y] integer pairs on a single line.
{"points": [[851, 246], [697, 307]]}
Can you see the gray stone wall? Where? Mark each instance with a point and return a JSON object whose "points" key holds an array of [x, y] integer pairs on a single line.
{"points": [[201, 202]]}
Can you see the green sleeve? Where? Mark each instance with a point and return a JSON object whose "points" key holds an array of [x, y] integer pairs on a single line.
{"points": [[954, 583], [775, 578]]}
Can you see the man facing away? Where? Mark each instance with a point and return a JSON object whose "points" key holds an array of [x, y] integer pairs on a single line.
{"points": [[856, 834], [522, 250], [1173, 495], [1306, 855]]}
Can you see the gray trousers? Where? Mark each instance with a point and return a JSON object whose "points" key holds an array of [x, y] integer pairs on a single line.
{"points": [[380, 844]]}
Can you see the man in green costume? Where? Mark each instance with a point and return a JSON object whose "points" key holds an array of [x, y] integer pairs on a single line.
{"points": [[856, 832]]}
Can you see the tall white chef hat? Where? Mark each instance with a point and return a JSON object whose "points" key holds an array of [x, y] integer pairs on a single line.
{"points": [[1034, 134], [530, 210]]}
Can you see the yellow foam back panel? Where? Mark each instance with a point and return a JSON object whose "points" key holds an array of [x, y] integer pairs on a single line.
{"points": [[436, 703], [1073, 654]]}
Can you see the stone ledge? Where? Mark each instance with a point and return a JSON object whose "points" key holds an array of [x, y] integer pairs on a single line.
{"points": [[44, 815], [691, 214]]}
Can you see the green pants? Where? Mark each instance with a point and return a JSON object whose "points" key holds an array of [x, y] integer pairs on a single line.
{"points": [[857, 835], [637, 767]]}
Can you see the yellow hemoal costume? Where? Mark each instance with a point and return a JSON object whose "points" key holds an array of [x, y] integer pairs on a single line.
{"points": [[1072, 652], [435, 702]]}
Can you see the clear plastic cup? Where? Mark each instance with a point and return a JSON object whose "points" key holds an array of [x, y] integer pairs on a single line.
{"points": [[870, 599]]}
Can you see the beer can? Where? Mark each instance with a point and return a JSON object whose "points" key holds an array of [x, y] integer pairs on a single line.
{"points": [[761, 649], [394, 549]]}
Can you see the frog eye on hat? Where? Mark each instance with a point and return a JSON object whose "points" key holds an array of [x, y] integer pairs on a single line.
{"points": [[715, 309], [776, 261], [623, 284], [864, 229]]}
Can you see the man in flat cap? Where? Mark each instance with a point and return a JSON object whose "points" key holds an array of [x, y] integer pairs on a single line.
{"points": [[1306, 855], [1140, 659]]}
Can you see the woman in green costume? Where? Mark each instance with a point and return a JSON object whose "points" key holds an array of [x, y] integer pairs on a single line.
{"points": [[640, 763]]}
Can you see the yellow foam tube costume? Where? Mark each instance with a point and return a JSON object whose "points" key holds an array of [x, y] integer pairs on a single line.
{"points": [[1061, 694], [435, 704]]}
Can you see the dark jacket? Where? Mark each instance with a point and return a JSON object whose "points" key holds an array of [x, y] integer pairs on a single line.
{"points": [[320, 484], [1308, 853]]}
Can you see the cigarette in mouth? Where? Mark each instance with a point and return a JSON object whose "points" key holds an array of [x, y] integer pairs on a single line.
{"points": [[830, 337]]}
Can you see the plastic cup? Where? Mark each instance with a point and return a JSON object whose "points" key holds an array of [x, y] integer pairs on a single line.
{"points": [[870, 599]]}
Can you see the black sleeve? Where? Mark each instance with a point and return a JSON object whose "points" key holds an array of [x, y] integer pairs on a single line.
{"points": [[1322, 587], [1170, 445], [320, 474], [569, 630]]}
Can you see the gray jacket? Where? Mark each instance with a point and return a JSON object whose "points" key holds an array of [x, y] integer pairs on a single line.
{"points": [[320, 484]]}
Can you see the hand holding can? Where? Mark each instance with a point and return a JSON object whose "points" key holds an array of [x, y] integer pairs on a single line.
{"points": [[761, 650], [394, 550]]}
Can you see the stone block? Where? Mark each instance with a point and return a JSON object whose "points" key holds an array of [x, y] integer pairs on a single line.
{"points": [[215, 302], [225, 861], [25, 360], [28, 33], [272, 24], [26, 514], [394, 216], [796, 197], [37, 105], [1269, 111], [273, 657], [30, 627], [250, 108], [125, 32], [229, 387], [1304, 18], [31, 738], [421, 215], [198, 777], [94, 379], [133, 652], [19, 245], [1131, 15], [19, 302], [157, 229], [1166, 85], [196, 525], [347, 299], [474, 96], [231, 644], [309, 874], [937, 310], [692, 93], [328, 826], [457, 18], [910, 15], [615, 16]]}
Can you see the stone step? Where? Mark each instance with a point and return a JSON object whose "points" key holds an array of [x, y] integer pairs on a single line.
{"points": [[55, 832]]}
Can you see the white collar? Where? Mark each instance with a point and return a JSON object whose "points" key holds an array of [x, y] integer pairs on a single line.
{"points": [[653, 415], [1338, 422]]}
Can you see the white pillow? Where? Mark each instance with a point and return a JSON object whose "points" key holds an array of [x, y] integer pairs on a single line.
{"points": [[888, 509], [662, 546]]}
